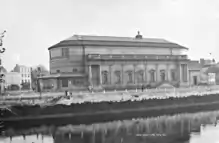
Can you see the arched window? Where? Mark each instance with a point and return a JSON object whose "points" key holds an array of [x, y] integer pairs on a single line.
{"points": [[173, 75], [140, 76], [130, 76], [118, 77], [152, 75], [162, 74], [105, 77]]}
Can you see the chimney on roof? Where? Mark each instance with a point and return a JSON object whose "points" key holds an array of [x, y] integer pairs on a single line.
{"points": [[139, 36]]}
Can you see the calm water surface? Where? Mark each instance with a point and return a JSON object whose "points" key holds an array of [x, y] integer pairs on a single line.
{"points": [[183, 128]]}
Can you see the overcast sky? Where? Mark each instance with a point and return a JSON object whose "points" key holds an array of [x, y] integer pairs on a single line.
{"points": [[34, 25]]}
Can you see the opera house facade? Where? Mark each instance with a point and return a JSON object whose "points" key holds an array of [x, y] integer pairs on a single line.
{"points": [[105, 62]]}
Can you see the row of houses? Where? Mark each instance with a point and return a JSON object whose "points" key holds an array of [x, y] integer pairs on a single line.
{"points": [[23, 77]]}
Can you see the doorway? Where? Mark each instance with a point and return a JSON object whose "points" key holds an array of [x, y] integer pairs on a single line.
{"points": [[95, 69], [195, 80]]}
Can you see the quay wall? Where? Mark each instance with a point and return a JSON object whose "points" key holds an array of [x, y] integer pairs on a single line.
{"points": [[106, 111]]}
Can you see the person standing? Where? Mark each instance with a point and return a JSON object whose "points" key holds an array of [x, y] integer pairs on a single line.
{"points": [[142, 87]]}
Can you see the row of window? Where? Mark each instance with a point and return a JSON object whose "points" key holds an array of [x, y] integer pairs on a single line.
{"points": [[74, 70], [139, 76], [25, 70], [56, 53], [25, 81], [25, 75], [74, 82]]}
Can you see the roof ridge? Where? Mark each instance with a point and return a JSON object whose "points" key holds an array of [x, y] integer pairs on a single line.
{"points": [[82, 35]]}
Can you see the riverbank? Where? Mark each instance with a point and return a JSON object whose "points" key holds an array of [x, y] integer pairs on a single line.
{"points": [[88, 112]]}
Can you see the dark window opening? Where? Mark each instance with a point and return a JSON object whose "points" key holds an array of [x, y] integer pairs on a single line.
{"points": [[173, 75], [65, 52], [118, 76], [75, 70], [64, 83], [152, 74], [141, 76], [105, 77], [130, 77], [162, 74]]}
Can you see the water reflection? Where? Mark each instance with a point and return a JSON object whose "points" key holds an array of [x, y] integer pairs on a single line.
{"points": [[183, 128]]}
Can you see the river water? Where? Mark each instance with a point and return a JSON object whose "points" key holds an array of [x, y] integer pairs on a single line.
{"points": [[199, 127]]}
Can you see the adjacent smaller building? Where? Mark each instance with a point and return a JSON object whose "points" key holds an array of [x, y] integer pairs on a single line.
{"points": [[12, 79], [203, 72], [194, 68]]}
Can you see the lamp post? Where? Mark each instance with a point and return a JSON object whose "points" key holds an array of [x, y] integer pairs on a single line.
{"points": [[2, 50]]}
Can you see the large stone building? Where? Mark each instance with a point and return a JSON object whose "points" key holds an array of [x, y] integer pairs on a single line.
{"points": [[116, 62]]}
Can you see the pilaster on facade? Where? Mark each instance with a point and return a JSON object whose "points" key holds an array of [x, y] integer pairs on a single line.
{"points": [[167, 71], [157, 73], [145, 71], [122, 74], [100, 74], [187, 72], [110, 74], [134, 73], [90, 75], [179, 72]]}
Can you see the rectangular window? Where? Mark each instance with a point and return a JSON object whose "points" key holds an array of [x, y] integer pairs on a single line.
{"points": [[64, 82], [54, 53], [65, 52], [173, 75], [152, 75], [75, 70]]}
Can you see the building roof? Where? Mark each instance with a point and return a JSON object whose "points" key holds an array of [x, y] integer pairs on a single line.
{"points": [[60, 76], [88, 40], [213, 69], [13, 73], [194, 65]]}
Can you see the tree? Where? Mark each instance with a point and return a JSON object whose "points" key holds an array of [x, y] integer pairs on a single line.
{"points": [[36, 72]]}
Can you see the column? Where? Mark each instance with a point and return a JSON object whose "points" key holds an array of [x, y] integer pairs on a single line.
{"points": [[187, 73], [110, 73], [167, 71], [122, 77], [157, 73], [145, 73], [100, 74], [90, 75], [134, 73], [179, 72]]}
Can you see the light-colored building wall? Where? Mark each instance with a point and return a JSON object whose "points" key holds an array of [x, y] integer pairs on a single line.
{"points": [[129, 50], [24, 71], [192, 75], [75, 59], [13, 78], [124, 67]]}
